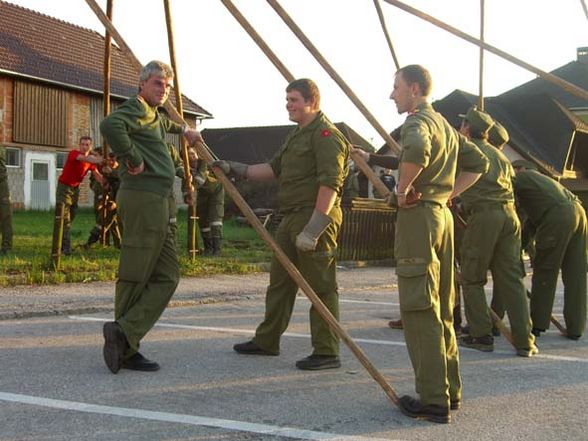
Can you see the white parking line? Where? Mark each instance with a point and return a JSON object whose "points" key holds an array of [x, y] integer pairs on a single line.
{"points": [[240, 426], [357, 340]]}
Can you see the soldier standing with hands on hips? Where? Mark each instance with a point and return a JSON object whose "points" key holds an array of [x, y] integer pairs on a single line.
{"points": [[432, 154], [148, 271]]}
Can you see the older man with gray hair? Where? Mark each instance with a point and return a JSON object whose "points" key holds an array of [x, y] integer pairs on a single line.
{"points": [[148, 272]]}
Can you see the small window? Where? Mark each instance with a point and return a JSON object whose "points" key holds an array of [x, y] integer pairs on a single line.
{"points": [[12, 157], [60, 159]]}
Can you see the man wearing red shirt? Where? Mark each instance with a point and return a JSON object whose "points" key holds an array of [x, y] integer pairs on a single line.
{"points": [[78, 163]]}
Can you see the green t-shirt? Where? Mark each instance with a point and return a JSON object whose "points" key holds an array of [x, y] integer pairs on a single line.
{"points": [[496, 184], [428, 140]]}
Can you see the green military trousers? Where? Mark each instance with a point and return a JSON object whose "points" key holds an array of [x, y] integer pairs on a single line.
{"points": [[424, 256], [148, 271], [5, 215], [68, 196], [492, 242], [318, 268], [561, 243], [210, 207]]}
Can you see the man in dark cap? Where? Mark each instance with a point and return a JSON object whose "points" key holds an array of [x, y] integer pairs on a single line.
{"points": [[492, 242]]}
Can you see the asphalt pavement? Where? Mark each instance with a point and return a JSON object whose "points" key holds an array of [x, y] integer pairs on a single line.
{"points": [[55, 386]]}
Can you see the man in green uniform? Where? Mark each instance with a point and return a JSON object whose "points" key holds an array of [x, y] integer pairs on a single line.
{"points": [[432, 152], [310, 168], [560, 224], [492, 241], [210, 204], [105, 197], [148, 271], [5, 206]]}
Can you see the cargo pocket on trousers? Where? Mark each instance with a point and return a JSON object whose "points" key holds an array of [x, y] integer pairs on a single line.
{"points": [[134, 260], [417, 283]]}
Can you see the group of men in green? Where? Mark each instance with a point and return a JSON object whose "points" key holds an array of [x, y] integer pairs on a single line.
{"points": [[437, 164]]}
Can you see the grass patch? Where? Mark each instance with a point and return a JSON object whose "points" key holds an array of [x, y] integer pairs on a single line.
{"points": [[30, 263]]}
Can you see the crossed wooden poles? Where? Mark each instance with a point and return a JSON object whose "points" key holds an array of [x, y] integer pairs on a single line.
{"points": [[204, 152]]}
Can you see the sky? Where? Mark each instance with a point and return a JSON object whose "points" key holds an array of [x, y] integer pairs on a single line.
{"points": [[223, 70]]}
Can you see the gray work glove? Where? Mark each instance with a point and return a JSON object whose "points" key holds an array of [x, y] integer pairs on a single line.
{"points": [[199, 179], [308, 238], [237, 169]]}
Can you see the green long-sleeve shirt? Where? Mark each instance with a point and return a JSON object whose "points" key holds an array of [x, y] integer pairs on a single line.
{"points": [[136, 133]]}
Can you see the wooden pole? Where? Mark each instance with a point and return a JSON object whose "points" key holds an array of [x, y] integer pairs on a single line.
{"points": [[584, 8], [192, 239], [106, 109], [334, 75], [126, 50], [297, 277], [204, 151], [481, 95], [385, 29], [57, 235], [361, 164], [569, 87]]}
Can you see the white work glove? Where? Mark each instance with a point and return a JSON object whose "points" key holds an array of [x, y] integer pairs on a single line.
{"points": [[234, 168], [308, 238]]}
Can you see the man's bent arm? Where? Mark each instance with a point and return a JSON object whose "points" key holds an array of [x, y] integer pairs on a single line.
{"points": [[260, 172], [464, 181], [325, 199]]}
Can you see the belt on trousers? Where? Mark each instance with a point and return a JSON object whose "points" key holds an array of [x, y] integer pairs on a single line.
{"points": [[490, 206]]}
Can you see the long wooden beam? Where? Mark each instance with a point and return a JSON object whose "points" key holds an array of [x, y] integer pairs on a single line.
{"points": [[386, 34], [106, 111], [204, 151], [569, 87], [481, 81], [334, 75], [192, 237], [361, 164]]}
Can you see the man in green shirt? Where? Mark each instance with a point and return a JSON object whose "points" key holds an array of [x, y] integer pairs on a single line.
{"points": [[310, 168], [432, 154], [492, 241], [5, 206], [148, 271], [559, 221]]}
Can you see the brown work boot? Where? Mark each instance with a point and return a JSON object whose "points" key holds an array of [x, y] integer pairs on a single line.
{"points": [[430, 412], [396, 324]]}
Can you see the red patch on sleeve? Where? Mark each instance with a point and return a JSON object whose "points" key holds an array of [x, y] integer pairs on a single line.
{"points": [[325, 133]]}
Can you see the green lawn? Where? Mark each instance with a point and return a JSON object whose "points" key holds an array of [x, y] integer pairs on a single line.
{"points": [[29, 262]]}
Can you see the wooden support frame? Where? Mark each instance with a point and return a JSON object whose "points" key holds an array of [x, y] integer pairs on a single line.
{"points": [[204, 151], [567, 86]]}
